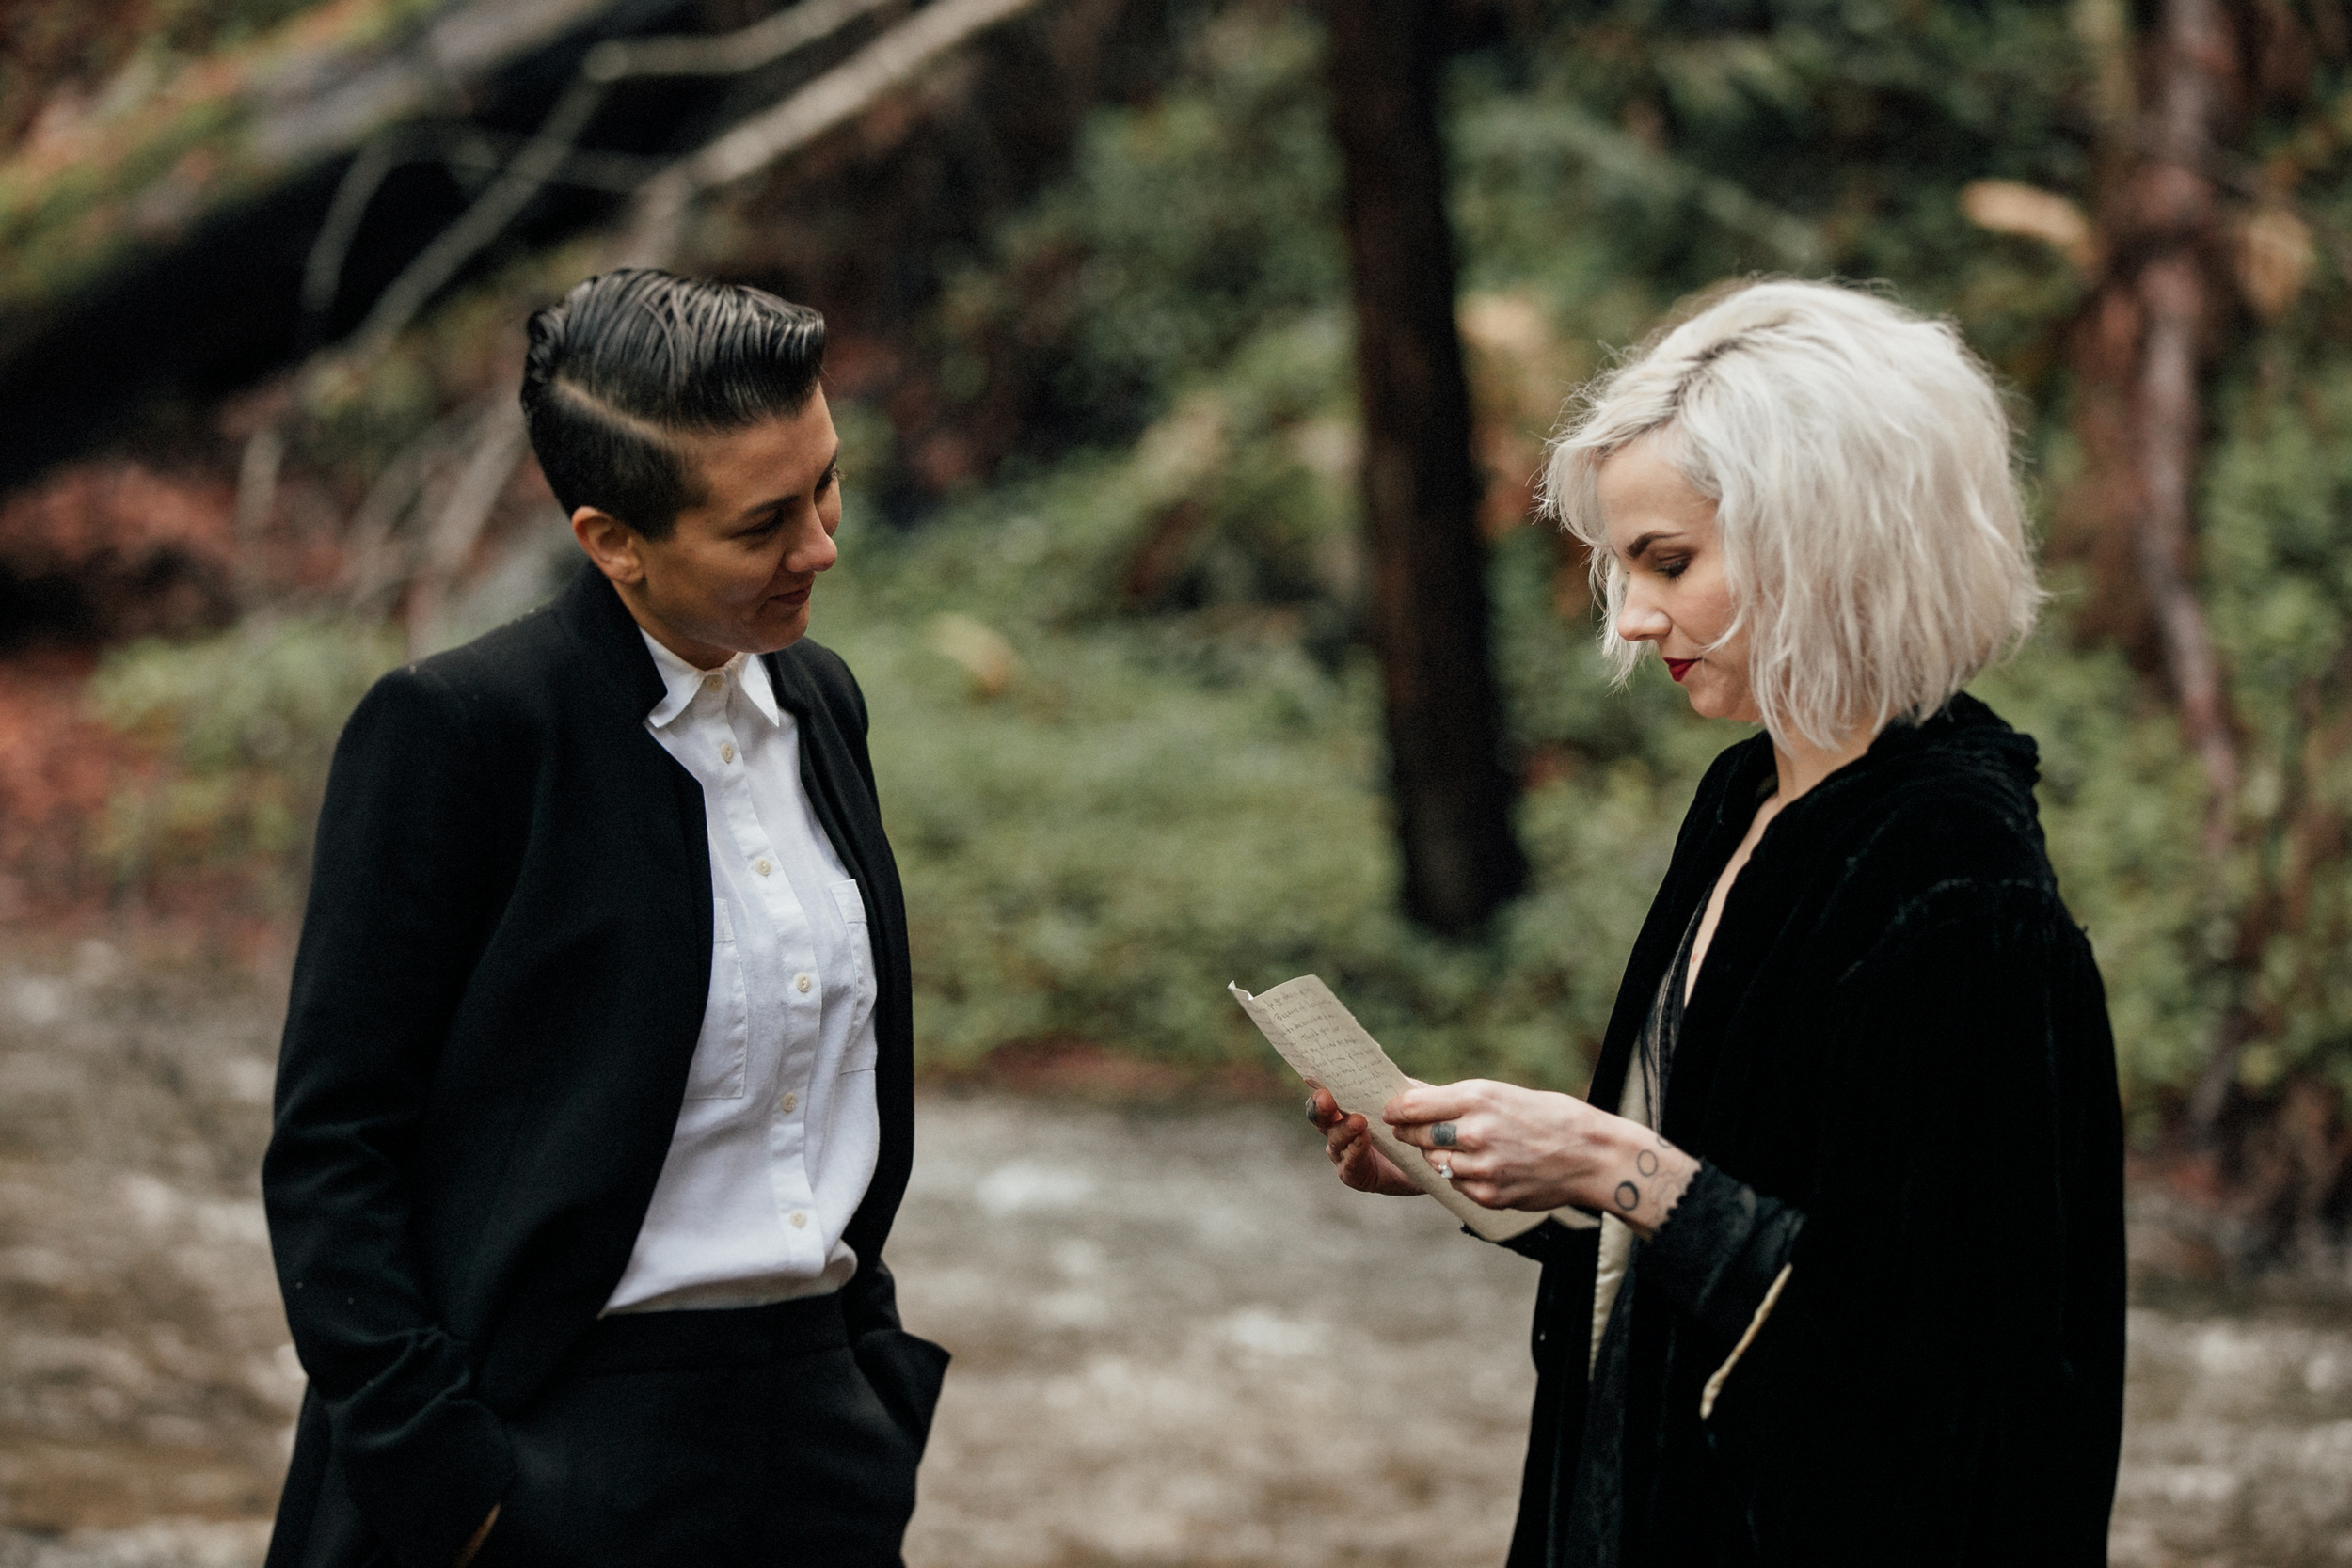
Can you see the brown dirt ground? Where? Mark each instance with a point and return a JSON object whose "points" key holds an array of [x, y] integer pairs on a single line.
{"points": [[1178, 1342]]}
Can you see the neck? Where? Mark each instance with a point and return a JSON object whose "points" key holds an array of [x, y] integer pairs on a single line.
{"points": [[1802, 764]]}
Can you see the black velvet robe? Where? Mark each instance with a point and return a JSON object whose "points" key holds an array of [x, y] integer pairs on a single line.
{"points": [[1898, 1069]]}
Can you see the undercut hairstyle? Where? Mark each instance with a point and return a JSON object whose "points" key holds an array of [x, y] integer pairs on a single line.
{"points": [[632, 361], [1865, 492]]}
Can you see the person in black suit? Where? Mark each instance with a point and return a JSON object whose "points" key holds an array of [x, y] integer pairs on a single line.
{"points": [[596, 1097]]}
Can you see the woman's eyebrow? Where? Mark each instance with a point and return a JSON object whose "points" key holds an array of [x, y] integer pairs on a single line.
{"points": [[1640, 546]]}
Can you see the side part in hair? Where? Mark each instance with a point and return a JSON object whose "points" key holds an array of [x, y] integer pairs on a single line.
{"points": [[630, 361], [1866, 494]]}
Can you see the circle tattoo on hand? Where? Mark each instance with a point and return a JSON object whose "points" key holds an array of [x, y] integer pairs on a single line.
{"points": [[1629, 1197], [1445, 1134], [1645, 1162]]}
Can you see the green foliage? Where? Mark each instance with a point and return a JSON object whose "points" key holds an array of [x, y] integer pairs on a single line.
{"points": [[244, 724], [199, 26], [1127, 746], [1095, 850], [2278, 510], [2121, 802], [1147, 809], [1621, 161], [1185, 226], [168, 139]]}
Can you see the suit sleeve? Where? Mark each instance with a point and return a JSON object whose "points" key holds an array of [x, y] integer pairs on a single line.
{"points": [[1937, 1379], [402, 890]]}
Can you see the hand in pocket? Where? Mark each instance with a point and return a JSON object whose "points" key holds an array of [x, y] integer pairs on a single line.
{"points": [[905, 1372]]}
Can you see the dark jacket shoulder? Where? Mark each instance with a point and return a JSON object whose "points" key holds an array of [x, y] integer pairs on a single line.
{"points": [[828, 676], [1933, 806]]}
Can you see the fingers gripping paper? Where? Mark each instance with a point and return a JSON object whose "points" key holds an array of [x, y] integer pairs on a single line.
{"points": [[1325, 1045]]}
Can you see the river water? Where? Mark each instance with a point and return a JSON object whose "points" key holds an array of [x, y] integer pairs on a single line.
{"points": [[1179, 1343]]}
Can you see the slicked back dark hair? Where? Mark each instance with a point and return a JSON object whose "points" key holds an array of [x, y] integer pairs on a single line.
{"points": [[633, 359]]}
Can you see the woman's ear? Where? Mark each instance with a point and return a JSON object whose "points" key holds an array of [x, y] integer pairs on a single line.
{"points": [[611, 543]]}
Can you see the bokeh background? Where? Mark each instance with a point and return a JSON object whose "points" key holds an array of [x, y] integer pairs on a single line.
{"points": [[1109, 583]]}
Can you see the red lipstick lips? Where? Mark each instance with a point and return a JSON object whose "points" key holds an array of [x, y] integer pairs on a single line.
{"points": [[1678, 668]]}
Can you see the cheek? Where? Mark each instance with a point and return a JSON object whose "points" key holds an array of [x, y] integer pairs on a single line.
{"points": [[1707, 607], [749, 577]]}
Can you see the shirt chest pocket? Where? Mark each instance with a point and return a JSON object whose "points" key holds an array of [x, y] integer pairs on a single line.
{"points": [[721, 1055], [861, 1054]]}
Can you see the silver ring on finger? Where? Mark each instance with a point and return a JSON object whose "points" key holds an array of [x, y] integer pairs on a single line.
{"points": [[1445, 1134], [1446, 1171]]}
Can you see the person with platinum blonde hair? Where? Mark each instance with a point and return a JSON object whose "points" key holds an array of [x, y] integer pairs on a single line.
{"points": [[1840, 1278], [1859, 465]]}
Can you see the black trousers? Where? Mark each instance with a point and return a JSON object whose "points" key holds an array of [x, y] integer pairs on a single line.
{"points": [[753, 1436]]}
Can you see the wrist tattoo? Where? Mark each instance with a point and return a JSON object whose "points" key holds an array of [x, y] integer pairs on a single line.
{"points": [[1646, 1163], [1629, 1197]]}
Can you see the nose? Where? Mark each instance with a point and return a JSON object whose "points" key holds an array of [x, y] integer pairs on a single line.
{"points": [[1639, 621], [812, 550]]}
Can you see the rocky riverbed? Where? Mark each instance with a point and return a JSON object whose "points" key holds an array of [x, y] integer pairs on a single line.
{"points": [[1178, 1342]]}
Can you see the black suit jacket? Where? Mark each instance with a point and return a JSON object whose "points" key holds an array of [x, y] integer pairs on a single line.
{"points": [[499, 990]]}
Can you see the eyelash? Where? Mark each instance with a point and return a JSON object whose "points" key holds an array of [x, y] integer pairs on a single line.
{"points": [[1673, 568]]}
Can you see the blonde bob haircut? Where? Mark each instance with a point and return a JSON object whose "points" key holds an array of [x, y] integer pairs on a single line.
{"points": [[1866, 504]]}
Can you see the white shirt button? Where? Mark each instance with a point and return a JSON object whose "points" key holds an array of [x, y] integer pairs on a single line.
{"points": [[800, 1219], [801, 983], [726, 751], [763, 868], [791, 1100], [712, 683]]}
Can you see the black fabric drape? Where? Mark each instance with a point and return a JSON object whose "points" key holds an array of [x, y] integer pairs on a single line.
{"points": [[499, 988], [1897, 1066]]}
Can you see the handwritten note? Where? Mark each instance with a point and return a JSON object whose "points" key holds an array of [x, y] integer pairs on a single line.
{"points": [[1325, 1045]]}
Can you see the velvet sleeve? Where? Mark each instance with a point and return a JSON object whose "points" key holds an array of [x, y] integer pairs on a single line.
{"points": [[1935, 1382], [1723, 1260], [401, 892]]}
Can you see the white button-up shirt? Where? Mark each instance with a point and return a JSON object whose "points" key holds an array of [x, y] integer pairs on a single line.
{"points": [[778, 1133]]}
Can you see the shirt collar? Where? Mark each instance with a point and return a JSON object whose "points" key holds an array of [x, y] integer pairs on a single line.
{"points": [[680, 681]]}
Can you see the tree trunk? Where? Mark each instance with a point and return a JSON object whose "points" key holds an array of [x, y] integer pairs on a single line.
{"points": [[1427, 615], [2178, 294], [2140, 352]]}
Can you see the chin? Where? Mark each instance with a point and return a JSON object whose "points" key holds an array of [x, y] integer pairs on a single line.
{"points": [[1714, 704], [774, 636]]}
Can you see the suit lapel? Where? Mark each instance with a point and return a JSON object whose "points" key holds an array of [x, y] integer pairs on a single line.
{"points": [[613, 656], [843, 807]]}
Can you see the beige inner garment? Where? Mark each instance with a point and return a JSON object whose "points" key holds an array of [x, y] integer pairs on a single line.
{"points": [[1617, 1251]]}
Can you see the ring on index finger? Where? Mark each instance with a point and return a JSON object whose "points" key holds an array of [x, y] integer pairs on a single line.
{"points": [[1445, 1134]]}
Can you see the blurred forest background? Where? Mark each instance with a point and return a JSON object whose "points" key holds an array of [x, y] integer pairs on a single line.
{"points": [[264, 266]]}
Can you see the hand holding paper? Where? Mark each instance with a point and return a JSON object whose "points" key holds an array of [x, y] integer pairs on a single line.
{"points": [[1325, 1045], [1355, 1160]]}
